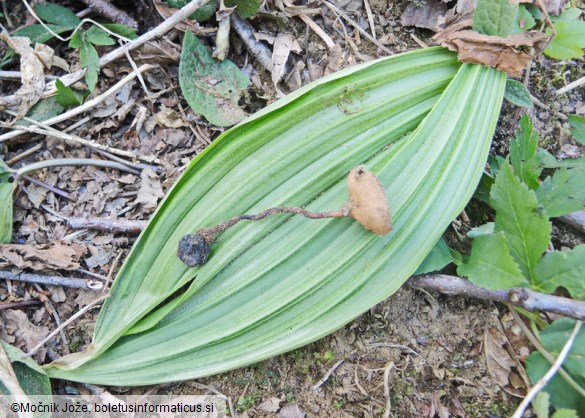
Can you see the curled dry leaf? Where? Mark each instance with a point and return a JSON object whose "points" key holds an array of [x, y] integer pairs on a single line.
{"points": [[56, 256], [367, 201], [491, 51], [33, 75]]}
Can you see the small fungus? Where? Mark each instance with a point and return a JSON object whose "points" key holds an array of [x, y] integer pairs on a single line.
{"points": [[367, 204]]}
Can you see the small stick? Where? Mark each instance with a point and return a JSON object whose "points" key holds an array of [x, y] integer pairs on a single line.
{"points": [[327, 375], [90, 104], [88, 143], [571, 86], [47, 186], [59, 162], [522, 297], [388, 411], [111, 12], [357, 26], [22, 304], [370, 18], [52, 280], [259, 50], [24, 154], [320, 32], [108, 225], [549, 374], [64, 324]]}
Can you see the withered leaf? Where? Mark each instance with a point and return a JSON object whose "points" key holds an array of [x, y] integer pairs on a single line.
{"points": [[33, 75], [55, 256], [491, 51]]}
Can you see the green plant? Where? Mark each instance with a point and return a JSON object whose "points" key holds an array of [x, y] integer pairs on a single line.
{"points": [[512, 251], [61, 20], [279, 284], [245, 8]]}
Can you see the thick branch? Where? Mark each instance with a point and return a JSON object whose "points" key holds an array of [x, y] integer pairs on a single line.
{"points": [[525, 298]]}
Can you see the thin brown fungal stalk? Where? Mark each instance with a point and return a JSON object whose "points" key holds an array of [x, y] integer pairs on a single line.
{"points": [[367, 204], [210, 233]]}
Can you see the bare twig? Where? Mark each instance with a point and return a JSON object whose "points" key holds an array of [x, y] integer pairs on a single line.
{"points": [[48, 131], [24, 154], [64, 324], [108, 225], [370, 18], [90, 104], [259, 50], [47, 186], [549, 374], [571, 86], [111, 12], [525, 298], [388, 411], [82, 162], [353, 23], [320, 32], [52, 280], [327, 375], [21, 304]]}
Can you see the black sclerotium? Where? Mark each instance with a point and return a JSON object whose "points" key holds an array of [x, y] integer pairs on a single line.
{"points": [[193, 250]]}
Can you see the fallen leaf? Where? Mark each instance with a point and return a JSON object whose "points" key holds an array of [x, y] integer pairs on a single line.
{"points": [[491, 51], [33, 76], [53, 256], [283, 44], [150, 189], [430, 16], [270, 405], [27, 334], [291, 411]]}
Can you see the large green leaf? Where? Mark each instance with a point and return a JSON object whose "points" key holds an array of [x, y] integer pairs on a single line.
{"points": [[278, 284]]}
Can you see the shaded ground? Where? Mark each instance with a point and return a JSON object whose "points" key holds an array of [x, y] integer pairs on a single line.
{"points": [[429, 350]]}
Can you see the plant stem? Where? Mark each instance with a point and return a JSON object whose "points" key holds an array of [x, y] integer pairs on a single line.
{"points": [[59, 162], [209, 234]]}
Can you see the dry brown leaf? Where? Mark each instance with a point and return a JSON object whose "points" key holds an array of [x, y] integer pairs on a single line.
{"points": [[52, 256], [33, 76], [430, 16], [150, 189], [283, 44], [367, 201], [270, 405], [491, 51], [26, 334], [502, 362]]}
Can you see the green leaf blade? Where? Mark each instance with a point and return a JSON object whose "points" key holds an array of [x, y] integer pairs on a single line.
{"points": [[526, 227], [569, 40], [6, 190], [271, 287], [90, 60], [554, 337], [562, 268], [563, 192], [577, 128], [494, 17], [58, 15], [491, 266], [211, 88], [523, 154], [518, 94]]}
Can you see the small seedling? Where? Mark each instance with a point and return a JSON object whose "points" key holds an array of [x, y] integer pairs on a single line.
{"points": [[367, 204]]}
